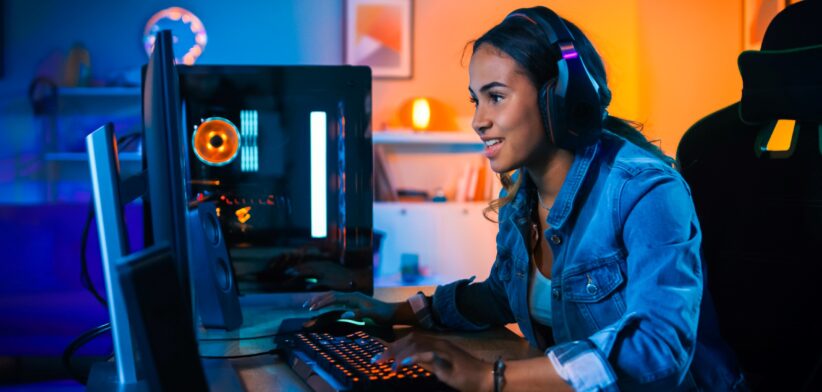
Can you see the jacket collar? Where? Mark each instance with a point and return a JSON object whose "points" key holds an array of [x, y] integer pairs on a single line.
{"points": [[564, 203]]}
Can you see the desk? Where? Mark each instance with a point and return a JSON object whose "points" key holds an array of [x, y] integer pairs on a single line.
{"points": [[270, 373]]}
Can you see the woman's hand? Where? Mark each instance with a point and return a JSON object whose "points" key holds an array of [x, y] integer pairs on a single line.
{"points": [[451, 364], [359, 304]]}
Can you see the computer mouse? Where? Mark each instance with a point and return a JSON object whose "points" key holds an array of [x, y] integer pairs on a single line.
{"points": [[336, 324]]}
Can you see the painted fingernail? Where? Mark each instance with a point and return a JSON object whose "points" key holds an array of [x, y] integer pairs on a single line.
{"points": [[406, 361], [376, 358], [348, 314]]}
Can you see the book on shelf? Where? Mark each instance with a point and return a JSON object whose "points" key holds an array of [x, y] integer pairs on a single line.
{"points": [[384, 189]]}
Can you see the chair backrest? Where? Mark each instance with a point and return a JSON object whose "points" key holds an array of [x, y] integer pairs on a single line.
{"points": [[761, 211]]}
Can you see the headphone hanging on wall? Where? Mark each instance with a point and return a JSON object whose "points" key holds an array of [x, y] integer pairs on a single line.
{"points": [[570, 107]]}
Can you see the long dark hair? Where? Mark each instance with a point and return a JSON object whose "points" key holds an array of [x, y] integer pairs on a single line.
{"points": [[528, 46]]}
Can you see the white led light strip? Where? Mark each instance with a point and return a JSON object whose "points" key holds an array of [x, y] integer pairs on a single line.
{"points": [[249, 154], [319, 208]]}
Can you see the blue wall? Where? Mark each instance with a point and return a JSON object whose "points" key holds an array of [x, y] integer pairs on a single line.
{"points": [[260, 32], [42, 304], [239, 32]]}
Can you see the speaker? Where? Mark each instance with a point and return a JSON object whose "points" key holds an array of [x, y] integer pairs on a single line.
{"points": [[215, 290]]}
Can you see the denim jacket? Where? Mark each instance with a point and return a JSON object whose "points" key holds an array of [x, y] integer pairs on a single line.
{"points": [[628, 302]]}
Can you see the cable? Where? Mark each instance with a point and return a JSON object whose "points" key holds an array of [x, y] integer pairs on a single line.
{"points": [[76, 344], [269, 352], [85, 278]]}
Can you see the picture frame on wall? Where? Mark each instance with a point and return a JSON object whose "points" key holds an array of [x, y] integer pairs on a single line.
{"points": [[378, 33], [756, 16]]}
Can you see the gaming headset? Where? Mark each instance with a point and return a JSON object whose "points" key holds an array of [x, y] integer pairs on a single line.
{"points": [[570, 107]]}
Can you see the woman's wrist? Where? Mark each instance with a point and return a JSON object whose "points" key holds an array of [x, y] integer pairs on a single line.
{"points": [[403, 314]]}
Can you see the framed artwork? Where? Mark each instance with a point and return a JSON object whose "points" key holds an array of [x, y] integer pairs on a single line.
{"points": [[756, 15], [378, 34]]}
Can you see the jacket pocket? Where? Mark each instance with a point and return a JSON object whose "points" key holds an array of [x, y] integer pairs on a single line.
{"points": [[594, 296]]}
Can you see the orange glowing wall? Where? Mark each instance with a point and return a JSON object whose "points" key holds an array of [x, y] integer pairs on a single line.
{"points": [[669, 62]]}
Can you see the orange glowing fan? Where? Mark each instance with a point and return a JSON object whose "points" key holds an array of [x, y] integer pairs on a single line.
{"points": [[216, 141]]}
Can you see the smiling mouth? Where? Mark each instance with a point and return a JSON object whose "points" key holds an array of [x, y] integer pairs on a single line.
{"points": [[492, 142], [492, 147]]}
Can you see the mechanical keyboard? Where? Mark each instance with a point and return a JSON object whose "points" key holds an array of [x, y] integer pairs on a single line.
{"points": [[343, 363]]}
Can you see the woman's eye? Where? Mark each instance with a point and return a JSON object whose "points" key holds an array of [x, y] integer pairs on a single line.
{"points": [[473, 101], [496, 98]]}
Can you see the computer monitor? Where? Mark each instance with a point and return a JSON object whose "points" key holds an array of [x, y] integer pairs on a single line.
{"points": [[135, 306], [165, 159], [286, 153]]}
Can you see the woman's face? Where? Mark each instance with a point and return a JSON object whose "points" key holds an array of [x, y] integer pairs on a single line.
{"points": [[506, 116]]}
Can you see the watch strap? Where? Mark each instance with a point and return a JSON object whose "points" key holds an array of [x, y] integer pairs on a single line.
{"points": [[421, 309]]}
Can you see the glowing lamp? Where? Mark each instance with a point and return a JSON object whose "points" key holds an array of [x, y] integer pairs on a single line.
{"points": [[425, 114], [420, 114]]}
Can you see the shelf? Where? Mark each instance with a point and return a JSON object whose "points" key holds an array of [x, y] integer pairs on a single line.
{"points": [[99, 91], [430, 141]]}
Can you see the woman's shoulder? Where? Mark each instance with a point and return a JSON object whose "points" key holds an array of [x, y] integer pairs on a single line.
{"points": [[632, 159]]}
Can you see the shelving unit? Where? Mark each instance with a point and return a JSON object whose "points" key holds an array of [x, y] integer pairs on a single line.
{"points": [[99, 91], [452, 240], [79, 111]]}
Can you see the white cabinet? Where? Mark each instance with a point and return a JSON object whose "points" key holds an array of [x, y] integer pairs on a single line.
{"points": [[452, 240]]}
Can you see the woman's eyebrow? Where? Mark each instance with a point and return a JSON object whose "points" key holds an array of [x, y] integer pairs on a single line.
{"points": [[488, 87]]}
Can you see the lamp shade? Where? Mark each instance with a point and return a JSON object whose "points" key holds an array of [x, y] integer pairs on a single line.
{"points": [[425, 114]]}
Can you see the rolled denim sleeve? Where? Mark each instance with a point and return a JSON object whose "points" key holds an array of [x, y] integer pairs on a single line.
{"points": [[467, 306], [446, 311], [582, 366], [652, 346]]}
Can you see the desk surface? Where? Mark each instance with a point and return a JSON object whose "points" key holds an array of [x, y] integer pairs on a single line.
{"points": [[270, 373]]}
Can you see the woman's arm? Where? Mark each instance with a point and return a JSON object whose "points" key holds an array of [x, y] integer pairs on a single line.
{"points": [[651, 346], [467, 306]]}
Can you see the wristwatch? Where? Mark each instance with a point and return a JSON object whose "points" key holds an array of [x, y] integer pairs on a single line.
{"points": [[419, 305]]}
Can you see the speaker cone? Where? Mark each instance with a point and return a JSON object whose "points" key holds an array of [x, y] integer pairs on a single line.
{"points": [[216, 141]]}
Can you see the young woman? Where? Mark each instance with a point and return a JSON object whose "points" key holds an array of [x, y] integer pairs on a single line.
{"points": [[598, 251]]}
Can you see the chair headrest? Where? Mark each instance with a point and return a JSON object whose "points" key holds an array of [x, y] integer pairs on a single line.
{"points": [[798, 25], [781, 84], [782, 81]]}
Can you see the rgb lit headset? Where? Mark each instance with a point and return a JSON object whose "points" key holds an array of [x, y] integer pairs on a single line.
{"points": [[570, 106]]}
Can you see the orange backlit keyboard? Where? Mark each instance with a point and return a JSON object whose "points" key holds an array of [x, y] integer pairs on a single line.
{"points": [[343, 363]]}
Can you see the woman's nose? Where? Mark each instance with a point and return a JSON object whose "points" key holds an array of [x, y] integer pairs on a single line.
{"points": [[480, 123]]}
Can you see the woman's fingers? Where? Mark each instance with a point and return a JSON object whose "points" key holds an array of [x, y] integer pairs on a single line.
{"points": [[313, 302], [331, 298], [414, 348]]}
